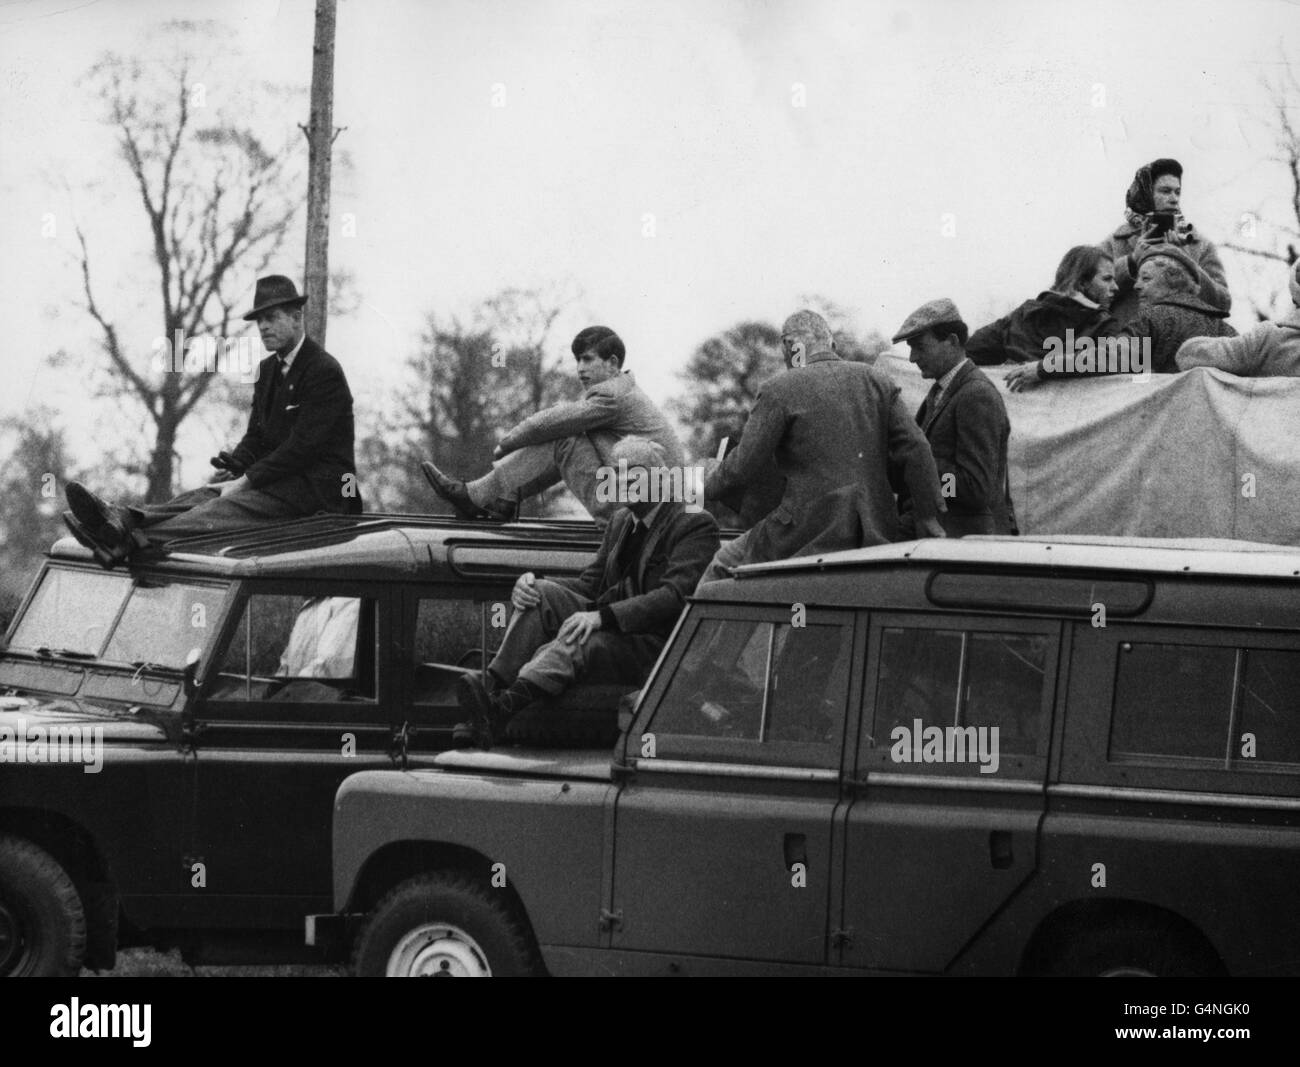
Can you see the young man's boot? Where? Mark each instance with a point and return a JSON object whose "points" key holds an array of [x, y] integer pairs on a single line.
{"points": [[489, 712]]}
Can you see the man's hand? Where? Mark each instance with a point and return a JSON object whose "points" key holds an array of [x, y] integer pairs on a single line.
{"points": [[929, 528], [525, 594], [1023, 377], [234, 486], [578, 627]]}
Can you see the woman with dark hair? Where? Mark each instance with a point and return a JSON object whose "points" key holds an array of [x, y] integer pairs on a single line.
{"points": [[1078, 301], [1152, 216]]}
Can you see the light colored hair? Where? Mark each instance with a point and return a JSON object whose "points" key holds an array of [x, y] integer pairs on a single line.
{"points": [[809, 326], [638, 452]]}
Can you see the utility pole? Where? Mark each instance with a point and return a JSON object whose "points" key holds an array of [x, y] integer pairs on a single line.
{"points": [[320, 141]]}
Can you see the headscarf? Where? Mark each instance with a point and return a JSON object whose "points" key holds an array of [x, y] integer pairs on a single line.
{"points": [[1140, 198]]}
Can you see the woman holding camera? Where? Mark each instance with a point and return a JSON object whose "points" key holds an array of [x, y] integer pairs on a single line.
{"points": [[1152, 217]]}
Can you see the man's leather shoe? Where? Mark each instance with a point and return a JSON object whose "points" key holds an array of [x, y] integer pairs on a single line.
{"points": [[455, 493], [107, 524], [104, 556], [483, 724]]}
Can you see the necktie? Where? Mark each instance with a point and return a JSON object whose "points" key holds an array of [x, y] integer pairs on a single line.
{"points": [[632, 545]]}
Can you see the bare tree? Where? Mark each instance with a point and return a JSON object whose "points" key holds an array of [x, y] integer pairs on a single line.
{"points": [[1283, 127], [216, 206], [468, 384]]}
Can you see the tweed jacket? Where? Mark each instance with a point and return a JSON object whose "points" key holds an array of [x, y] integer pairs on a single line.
{"points": [[1267, 350], [646, 595], [968, 431], [608, 411], [830, 425], [1166, 325], [299, 442]]}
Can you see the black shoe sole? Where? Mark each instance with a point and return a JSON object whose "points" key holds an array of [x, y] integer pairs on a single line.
{"points": [[455, 494], [105, 556]]}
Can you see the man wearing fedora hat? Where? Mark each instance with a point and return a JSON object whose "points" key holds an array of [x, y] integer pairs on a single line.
{"points": [[295, 459], [1172, 312], [965, 421]]}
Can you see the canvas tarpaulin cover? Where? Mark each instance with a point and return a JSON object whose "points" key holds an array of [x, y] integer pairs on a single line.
{"points": [[1196, 454]]}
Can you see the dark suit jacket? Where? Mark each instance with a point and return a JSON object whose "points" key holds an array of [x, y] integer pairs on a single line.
{"points": [[648, 596], [968, 431], [299, 443], [830, 426]]}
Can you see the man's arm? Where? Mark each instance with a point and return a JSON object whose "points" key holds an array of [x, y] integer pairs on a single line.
{"points": [[587, 583], [323, 400], [1237, 355], [987, 345], [595, 410], [751, 462], [696, 544], [252, 445], [911, 458]]}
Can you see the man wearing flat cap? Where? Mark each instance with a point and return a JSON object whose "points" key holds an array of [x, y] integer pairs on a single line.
{"points": [[839, 434], [295, 459], [965, 421], [1172, 311]]}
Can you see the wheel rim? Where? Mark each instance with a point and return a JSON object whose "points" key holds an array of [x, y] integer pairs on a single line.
{"points": [[1127, 971], [438, 950]]}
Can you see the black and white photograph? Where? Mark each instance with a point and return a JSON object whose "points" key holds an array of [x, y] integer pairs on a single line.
{"points": [[597, 488]]}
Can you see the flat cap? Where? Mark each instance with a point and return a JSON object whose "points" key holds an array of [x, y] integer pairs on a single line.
{"points": [[932, 314]]}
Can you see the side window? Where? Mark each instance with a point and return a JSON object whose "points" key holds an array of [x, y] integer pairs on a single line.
{"points": [[1270, 708], [765, 684], [299, 648], [1172, 700], [449, 634], [1233, 707], [959, 697]]}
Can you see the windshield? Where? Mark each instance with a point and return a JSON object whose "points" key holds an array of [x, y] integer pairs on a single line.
{"points": [[81, 613], [72, 611]]}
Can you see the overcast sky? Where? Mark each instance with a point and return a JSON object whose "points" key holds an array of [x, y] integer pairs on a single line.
{"points": [[878, 153]]}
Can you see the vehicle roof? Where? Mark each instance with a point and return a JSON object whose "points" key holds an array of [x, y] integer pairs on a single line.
{"points": [[1173, 556], [368, 545]]}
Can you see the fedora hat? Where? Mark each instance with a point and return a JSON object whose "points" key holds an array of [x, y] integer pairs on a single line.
{"points": [[275, 290]]}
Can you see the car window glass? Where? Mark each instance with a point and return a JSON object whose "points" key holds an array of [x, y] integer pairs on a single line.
{"points": [[958, 679], [72, 610], [306, 648], [718, 688], [1270, 709], [164, 622], [449, 638], [1172, 700], [810, 666]]}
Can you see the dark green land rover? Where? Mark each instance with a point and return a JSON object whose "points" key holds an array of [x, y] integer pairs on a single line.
{"points": [[985, 756], [172, 735]]}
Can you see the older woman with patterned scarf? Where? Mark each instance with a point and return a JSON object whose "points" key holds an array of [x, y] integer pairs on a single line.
{"points": [[1152, 216]]}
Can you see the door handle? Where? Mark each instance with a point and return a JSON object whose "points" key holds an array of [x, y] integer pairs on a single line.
{"points": [[796, 850], [1000, 851]]}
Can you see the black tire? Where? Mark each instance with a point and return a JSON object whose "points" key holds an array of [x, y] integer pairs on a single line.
{"points": [[42, 922], [444, 925], [1138, 948]]}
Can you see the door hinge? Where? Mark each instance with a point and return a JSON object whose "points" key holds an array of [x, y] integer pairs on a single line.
{"points": [[401, 742], [611, 920], [842, 938]]}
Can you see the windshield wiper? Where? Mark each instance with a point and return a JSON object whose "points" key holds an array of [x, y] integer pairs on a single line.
{"points": [[142, 665], [45, 652]]}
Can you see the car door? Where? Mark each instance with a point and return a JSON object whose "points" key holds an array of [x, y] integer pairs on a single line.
{"points": [[950, 778], [723, 831], [300, 697]]}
